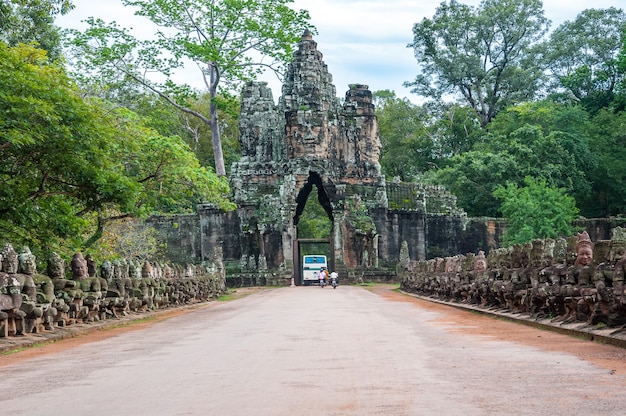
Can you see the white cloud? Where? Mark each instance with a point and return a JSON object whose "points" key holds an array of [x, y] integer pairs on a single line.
{"points": [[362, 41]]}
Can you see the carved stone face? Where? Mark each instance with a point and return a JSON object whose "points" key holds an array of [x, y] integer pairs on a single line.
{"points": [[26, 260], [79, 267], [480, 265], [584, 256], [56, 266], [106, 270]]}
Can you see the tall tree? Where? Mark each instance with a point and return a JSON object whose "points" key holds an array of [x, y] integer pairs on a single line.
{"points": [[484, 54], [229, 41], [26, 21], [456, 129], [608, 177], [168, 121], [582, 57]]}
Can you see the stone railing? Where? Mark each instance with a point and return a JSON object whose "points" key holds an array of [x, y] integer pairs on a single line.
{"points": [[31, 302], [554, 279]]}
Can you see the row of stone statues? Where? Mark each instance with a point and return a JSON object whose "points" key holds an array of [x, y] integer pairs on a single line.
{"points": [[567, 280], [31, 302]]}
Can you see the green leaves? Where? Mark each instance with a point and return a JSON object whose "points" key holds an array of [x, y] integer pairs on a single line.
{"points": [[535, 210], [64, 162], [483, 55], [406, 147], [540, 140], [583, 54], [32, 21]]}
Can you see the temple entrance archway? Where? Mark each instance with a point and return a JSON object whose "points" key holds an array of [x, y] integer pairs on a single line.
{"points": [[313, 221], [314, 179]]}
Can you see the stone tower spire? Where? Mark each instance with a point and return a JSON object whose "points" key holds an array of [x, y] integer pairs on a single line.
{"points": [[310, 104]]}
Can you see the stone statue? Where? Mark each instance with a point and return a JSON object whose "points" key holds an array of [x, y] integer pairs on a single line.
{"points": [[584, 250], [480, 262], [88, 296], [11, 316], [92, 266], [116, 299], [27, 268], [578, 275]]}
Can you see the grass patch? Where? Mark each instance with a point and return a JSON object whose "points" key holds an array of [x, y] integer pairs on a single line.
{"points": [[28, 347], [226, 297]]}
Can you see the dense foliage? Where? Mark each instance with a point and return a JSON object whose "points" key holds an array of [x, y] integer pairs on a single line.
{"points": [[484, 54], [26, 21], [535, 210], [67, 166], [514, 120]]}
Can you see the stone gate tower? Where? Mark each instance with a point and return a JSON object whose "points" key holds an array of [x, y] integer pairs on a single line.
{"points": [[310, 139]]}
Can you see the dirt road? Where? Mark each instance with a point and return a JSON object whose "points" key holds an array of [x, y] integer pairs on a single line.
{"points": [[312, 351]]}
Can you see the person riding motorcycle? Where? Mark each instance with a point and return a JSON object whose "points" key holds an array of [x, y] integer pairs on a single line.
{"points": [[334, 279], [322, 277]]}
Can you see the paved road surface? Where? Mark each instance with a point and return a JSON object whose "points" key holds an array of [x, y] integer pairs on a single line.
{"points": [[309, 351]]}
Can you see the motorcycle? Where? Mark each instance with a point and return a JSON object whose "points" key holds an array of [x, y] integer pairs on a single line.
{"points": [[334, 282], [322, 283]]}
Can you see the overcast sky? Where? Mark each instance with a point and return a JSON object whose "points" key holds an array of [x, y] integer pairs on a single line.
{"points": [[363, 41]]}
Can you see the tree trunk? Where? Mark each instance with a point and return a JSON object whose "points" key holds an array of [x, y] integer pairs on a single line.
{"points": [[220, 169]]}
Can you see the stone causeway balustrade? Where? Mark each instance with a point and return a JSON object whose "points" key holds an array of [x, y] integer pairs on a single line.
{"points": [[31, 302], [565, 281]]}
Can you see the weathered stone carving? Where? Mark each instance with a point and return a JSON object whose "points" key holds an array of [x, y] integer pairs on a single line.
{"points": [[31, 302], [585, 283]]}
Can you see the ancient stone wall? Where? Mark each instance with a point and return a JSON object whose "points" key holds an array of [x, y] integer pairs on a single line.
{"points": [[571, 280], [181, 235], [31, 302]]}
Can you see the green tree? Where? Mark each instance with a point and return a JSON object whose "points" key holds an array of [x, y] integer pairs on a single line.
{"points": [[26, 21], [455, 129], [558, 140], [473, 176], [535, 210], [483, 54], [168, 121], [540, 140], [582, 57], [607, 176], [406, 147], [67, 167], [229, 41]]}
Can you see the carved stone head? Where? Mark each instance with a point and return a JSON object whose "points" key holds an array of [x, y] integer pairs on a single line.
{"points": [[480, 262], [27, 262], [9, 259], [79, 267], [584, 250], [92, 266], [56, 266], [106, 270]]}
